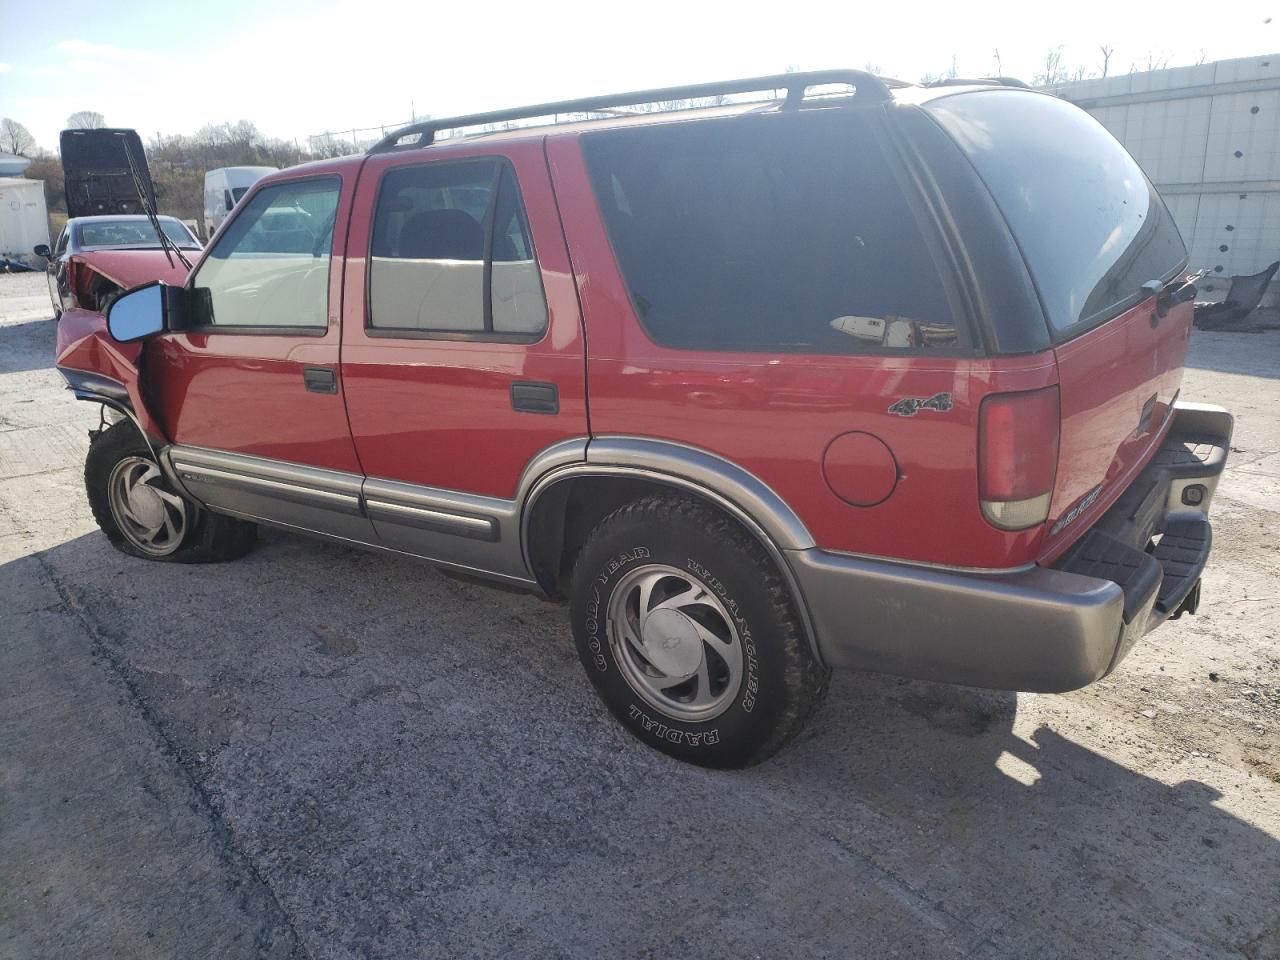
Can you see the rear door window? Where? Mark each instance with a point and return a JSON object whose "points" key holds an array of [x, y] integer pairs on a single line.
{"points": [[1091, 227], [451, 255], [782, 232]]}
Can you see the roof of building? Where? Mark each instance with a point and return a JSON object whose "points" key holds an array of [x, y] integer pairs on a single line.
{"points": [[12, 163]]}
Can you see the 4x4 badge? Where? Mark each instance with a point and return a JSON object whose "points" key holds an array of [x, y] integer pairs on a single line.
{"points": [[910, 406]]}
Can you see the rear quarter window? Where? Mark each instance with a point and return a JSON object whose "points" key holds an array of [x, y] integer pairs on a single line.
{"points": [[1090, 225], [782, 232]]}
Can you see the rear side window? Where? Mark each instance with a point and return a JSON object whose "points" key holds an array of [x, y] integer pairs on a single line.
{"points": [[784, 232], [1091, 227], [452, 254]]}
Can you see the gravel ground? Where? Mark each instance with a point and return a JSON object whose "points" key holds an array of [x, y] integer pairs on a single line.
{"points": [[318, 752]]}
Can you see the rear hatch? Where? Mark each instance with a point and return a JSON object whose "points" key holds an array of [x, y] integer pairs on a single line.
{"points": [[1093, 231]]}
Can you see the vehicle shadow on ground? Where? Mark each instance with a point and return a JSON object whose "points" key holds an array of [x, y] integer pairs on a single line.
{"points": [[376, 768], [1158, 865], [16, 347]]}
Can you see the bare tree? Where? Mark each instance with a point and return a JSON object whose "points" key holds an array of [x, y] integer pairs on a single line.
{"points": [[1106, 57], [85, 120], [15, 138], [999, 64], [326, 145], [1053, 71]]}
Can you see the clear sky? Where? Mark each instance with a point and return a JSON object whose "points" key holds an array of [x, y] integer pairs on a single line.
{"points": [[300, 68]]}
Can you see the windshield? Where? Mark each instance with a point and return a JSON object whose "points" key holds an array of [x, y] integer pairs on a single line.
{"points": [[134, 234], [1091, 227], [237, 193]]}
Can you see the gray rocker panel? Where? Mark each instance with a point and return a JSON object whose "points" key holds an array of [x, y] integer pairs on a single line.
{"points": [[474, 533]]}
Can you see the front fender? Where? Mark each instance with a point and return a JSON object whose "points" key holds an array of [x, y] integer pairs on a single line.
{"points": [[98, 368]]}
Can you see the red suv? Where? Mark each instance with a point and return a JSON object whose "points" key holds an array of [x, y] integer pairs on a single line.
{"points": [[851, 374]]}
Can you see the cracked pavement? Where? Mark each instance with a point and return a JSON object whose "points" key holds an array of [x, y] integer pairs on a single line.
{"points": [[318, 752]]}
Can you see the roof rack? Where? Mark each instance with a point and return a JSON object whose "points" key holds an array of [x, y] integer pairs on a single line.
{"points": [[867, 86], [987, 81]]}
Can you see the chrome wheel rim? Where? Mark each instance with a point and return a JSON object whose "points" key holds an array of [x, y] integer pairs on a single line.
{"points": [[151, 517], [675, 643]]}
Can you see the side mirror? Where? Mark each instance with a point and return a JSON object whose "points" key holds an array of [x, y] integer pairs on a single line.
{"points": [[42, 250], [142, 312]]}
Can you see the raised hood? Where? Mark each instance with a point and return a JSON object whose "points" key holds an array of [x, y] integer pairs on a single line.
{"points": [[95, 164]]}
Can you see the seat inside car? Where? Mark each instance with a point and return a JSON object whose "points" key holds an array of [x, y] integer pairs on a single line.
{"points": [[441, 235]]}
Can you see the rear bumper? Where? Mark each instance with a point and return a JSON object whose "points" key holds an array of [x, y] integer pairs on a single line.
{"points": [[1046, 629]]}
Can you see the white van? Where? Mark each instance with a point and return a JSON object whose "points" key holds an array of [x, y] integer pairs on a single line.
{"points": [[223, 189]]}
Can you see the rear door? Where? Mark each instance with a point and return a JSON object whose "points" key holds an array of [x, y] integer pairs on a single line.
{"points": [[1093, 230], [463, 352]]}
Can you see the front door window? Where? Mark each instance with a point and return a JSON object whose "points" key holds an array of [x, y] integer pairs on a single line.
{"points": [[270, 268]]}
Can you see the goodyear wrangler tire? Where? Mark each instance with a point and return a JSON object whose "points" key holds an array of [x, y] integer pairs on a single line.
{"points": [[690, 636], [143, 516]]}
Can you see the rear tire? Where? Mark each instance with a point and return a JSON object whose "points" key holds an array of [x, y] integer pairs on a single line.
{"points": [[690, 635], [144, 516]]}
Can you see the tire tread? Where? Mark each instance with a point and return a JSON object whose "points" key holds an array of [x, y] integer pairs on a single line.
{"points": [[805, 679]]}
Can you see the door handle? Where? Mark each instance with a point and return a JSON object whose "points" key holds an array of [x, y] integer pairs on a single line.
{"points": [[529, 397], [320, 379]]}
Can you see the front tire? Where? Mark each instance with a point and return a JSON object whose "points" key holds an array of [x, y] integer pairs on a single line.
{"points": [[690, 636], [143, 516]]}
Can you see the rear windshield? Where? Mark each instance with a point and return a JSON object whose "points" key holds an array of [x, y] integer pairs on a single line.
{"points": [[769, 233], [1092, 228]]}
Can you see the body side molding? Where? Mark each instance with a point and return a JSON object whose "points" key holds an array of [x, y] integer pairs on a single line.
{"points": [[483, 573], [300, 496], [477, 534], [481, 533]]}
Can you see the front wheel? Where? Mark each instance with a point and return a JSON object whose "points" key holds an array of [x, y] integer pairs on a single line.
{"points": [[143, 516], [690, 635]]}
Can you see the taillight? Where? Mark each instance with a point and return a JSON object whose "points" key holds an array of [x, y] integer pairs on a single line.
{"points": [[69, 278], [1018, 457]]}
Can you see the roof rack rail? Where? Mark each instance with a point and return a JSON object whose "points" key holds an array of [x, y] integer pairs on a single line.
{"points": [[867, 86], [988, 81]]}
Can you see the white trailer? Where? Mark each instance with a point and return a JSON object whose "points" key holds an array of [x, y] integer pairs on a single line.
{"points": [[24, 219], [223, 189]]}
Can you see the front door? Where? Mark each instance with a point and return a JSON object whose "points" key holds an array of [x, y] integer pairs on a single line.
{"points": [[463, 353], [249, 390]]}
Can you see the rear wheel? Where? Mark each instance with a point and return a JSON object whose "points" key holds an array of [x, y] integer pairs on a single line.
{"points": [[690, 636], [143, 515]]}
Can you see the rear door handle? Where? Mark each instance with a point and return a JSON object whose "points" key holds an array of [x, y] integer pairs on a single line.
{"points": [[527, 397], [320, 379]]}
